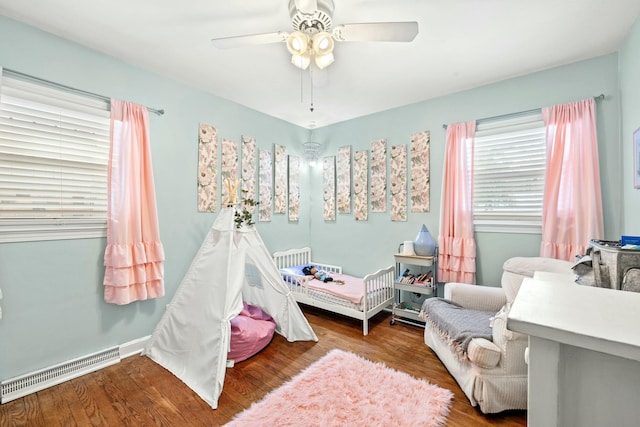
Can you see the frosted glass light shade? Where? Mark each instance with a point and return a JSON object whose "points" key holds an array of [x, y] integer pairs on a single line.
{"points": [[324, 60], [322, 43], [301, 61], [297, 43]]}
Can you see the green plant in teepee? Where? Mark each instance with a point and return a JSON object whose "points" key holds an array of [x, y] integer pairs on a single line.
{"points": [[245, 216]]}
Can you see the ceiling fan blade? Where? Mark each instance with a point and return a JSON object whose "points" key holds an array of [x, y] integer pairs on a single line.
{"points": [[249, 40], [306, 6], [377, 31]]}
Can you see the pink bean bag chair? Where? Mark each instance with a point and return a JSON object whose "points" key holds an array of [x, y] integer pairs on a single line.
{"points": [[251, 331]]}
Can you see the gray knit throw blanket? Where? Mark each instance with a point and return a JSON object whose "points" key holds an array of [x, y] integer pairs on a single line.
{"points": [[457, 325]]}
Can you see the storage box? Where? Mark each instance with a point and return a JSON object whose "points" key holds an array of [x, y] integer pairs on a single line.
{"points": [[611, 263], [630, 240]]}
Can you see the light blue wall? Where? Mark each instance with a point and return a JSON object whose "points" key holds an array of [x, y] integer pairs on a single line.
{"points": [[53, 308], [367, 245], [630, 97]]}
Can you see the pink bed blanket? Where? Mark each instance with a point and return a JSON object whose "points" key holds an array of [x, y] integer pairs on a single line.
{"points": [[352, 290], [251, 331]]}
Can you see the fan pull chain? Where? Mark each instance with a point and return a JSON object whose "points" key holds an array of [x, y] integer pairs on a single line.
{"points": [[301, 87], [311, 81]]}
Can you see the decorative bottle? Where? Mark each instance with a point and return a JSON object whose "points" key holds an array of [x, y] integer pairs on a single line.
{"points": [[424, 244]]}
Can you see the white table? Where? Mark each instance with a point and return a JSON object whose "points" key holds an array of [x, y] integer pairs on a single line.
{"points": [[584, 353]]}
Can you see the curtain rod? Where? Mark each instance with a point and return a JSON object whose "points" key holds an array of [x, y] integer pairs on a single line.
{"points": [[68, 88], [504, 116]]}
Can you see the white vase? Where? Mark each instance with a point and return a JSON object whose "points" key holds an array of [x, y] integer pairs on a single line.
{"points": [[424, 244]]}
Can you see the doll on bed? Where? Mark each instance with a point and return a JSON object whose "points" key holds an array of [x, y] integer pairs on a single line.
{"points": [[310, 270]]}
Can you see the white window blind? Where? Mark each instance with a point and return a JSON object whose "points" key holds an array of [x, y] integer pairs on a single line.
{"points": [[509, 169], [54, 148]]}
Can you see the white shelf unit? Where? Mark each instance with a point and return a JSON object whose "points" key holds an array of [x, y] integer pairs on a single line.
{"points": [[408, 312]]}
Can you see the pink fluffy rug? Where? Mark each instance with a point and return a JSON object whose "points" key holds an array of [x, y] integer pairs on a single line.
{"points": [[343, 389]]}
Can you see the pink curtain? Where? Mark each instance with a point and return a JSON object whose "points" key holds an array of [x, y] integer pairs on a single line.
{"points": [[457, 247], [572, 207], [134, 255]]}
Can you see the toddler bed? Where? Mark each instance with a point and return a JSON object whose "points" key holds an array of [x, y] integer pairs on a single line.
{"points": [[359, 298]]}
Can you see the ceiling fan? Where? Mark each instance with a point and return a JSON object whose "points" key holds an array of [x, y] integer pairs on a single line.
{"points": [[313, 33]]}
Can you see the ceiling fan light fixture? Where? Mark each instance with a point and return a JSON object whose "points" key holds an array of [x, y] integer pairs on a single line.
{"points": [[323, 61], [301, 61], [322, 43], [297, 43], [314, 34]]}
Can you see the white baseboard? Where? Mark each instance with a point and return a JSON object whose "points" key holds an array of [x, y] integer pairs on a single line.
{"points": [[133, 347], [15, 388]]}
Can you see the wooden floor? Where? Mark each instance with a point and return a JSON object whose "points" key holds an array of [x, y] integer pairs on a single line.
{"points": [[138, 392]]}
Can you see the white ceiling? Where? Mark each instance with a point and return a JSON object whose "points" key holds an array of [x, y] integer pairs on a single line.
{"points": [[461, 44]]}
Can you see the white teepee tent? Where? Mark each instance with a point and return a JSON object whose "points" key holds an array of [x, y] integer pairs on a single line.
{"points": [[232, 265]]}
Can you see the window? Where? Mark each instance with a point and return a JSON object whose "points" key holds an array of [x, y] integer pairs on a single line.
{"points": [[54, 149], [509, 168]]}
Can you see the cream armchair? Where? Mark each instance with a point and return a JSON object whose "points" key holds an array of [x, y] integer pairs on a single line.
{"points": [[492, 373]]}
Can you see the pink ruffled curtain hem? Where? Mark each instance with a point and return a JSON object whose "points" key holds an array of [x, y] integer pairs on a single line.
{"points": [[117, 255], [136, 281], [134, 292], [134, 257], [134, 274], [457, 260], [566, 252]]}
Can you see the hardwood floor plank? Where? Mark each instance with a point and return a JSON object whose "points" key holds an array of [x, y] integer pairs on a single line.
{"points": [[97, 405], [13, 413], [80, 411], [122, 390], [151, 383], [54, 410], [139, 392]]}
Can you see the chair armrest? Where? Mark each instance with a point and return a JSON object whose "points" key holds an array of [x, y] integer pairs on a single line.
{"points": [[484, 353], [513, 345], [475, 297]]}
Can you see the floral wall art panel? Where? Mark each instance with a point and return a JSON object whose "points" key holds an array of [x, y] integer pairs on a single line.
{"points": [[229, 166], [249, 168], [420, 182], [280, 180], [360, 184], [343, 179], [398, 183], [207, 168], [329, 188], [265, 178], [379, 176], [294, 188]]}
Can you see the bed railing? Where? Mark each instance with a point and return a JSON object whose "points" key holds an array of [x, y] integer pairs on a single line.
{"points": [[284, 259], [379, 286], [293, 257]]}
